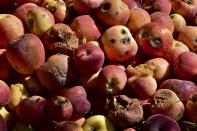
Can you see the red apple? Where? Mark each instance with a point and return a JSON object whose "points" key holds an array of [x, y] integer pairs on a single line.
{"points": [[3, 126], [20, 2], [11, 27], [191, 107], [131, 3], [68, 126], [5, 93]]}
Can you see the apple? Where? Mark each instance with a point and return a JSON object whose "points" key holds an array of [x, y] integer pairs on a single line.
{"points": [[11, 27], [57, 8], [3, 125], [5, 93], [60, 39], [132, 4], [113, 12], [154, 39], [118, 43], [85, 28], [22, 10], [111, 80], [18, 93], [86, 6], [188, 36], [124, 111], [88, 58], [59, 108], [20, 2], [68, 126], [186, 8], [5, 113], [26, 54], [130, 129], [32, 110], [56, 73], [160, 122], [38, 20], [191, 106], [138, 17], [163, 18], [178, 22], [98, 123]]}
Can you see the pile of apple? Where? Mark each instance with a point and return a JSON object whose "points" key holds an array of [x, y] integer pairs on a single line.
{"points": [[98, 65]]}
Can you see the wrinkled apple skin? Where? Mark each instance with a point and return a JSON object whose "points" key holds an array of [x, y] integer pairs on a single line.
{"points": [[154, 39], [11, 27], [5, 93], [118, 43], [113, 12], [26, 53], [159, 122], [183, 88], [185, 66]]}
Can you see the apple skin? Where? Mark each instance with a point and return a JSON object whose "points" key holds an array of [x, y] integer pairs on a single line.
{"points": [[163, 18], [18, 93], [26, 53], [157, 5], [111, 80], [11, 27], [159, 122], [185, 66], [3, 125], [187, 9], [178, 22], [130, 129], [188, 36], [143, 86], [85, 28], [165, 101], [59, 108], [23, 9], [86, 6], [38, 20], [123, 111], [154, 39], [113, 12], [118, 43], [98, 122], [57, 8], [191, 106], [20, 2], [56, 73], [60, 39], [6, 70], [68, 126], [32, 110], [5, 93], [138, 17], [78, 98], [131, 4], [183, 88], [88, 59]]}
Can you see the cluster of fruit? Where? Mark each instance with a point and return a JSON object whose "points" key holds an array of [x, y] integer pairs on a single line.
{"points": [[98, 65]]}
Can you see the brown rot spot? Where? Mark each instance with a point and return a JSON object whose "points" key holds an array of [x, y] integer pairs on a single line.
{"points": [[113, 41], [105, 7], [156, 42], [125, 41], [123, 31]]}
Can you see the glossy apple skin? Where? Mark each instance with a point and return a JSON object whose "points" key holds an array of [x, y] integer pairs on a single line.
{"points": [[85, 28], [187, 10], [59, 108], [26, 53], [154, 39], [159, 122], [57, 8], [183, 88], [188, 36], [86, 6], [38, 20], [191, 107], [88, 58], [5, 93], [11, 27], [111, 80], [185, 66], [32, 110], [23, 9], [113, 12], [118, 43], [163, 18], [138, 17]]}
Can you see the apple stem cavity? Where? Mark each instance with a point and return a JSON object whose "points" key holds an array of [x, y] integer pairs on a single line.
{"points": [[156, 42]]}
